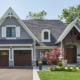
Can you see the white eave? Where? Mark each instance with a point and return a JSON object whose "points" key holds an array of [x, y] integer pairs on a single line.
{"points": [[67, 30], [10, 13]]}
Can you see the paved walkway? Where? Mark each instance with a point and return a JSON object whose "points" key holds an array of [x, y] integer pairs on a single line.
{"points": [[35, 69]]}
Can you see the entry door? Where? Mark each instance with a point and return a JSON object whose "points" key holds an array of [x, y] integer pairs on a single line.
{"points": [[71, 55]]}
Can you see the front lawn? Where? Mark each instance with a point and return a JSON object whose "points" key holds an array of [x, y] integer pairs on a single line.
{"points": [[59, 75]]}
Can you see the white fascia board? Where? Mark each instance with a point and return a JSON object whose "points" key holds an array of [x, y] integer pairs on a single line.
{"points": [[77, 28], [67, 30], [19, 20], [16, 44], [63, 35], [26, 28]]}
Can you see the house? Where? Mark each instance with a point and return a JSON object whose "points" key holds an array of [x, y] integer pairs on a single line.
{"points": [[23, 41]]}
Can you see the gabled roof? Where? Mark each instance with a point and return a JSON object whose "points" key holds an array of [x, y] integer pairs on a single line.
{"points": [[56, 27], [68, 28], [10, 13]]}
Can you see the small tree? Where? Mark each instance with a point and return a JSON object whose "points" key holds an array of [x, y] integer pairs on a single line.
{"points": [[52, 57]]}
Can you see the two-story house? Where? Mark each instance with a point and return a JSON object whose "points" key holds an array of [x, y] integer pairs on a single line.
{"points": [[23, 41]]}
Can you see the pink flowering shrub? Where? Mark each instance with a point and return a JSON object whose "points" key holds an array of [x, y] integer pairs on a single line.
{"points": [[52, 57]]}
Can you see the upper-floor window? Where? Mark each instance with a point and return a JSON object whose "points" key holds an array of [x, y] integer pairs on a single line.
{"points": [[45, 35], [10, 32]]}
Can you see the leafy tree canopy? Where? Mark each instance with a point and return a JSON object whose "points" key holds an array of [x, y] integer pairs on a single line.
{"points": [[70, 14], [36, 16]]}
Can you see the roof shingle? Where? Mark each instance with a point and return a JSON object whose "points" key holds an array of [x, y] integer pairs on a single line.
{"points": [[56, 27]]}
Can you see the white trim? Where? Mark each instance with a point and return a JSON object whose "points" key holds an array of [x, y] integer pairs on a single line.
{"points": [[10, 37], [46, 47], [67, 30], [42, 35], [10, 26], [16, 44], [10, 10], [21, 49]]}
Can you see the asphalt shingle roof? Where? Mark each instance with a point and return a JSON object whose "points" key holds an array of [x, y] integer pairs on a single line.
{"points": [[56, 27]]}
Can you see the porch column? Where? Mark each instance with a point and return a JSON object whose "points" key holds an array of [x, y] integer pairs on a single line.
{"points": [[34, 53], [61, 46], [11, 62]]}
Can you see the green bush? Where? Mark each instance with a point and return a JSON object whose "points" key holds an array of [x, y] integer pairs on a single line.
{"points": [[63, 68], [51, 68], [74, 68], [60, 63], [69, 68], [79, 67]]}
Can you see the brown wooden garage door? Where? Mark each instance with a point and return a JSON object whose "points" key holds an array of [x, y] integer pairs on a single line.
{"points": [[4, 58], [22, 58]]}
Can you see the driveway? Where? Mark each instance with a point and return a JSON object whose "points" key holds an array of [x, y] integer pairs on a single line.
{"points": [[16, 74]]}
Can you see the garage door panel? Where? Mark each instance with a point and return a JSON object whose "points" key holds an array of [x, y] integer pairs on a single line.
{"points": [[22, 58], [4, 58]]}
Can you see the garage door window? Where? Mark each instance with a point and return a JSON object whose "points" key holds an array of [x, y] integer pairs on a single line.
{"points": [[3, 52]]}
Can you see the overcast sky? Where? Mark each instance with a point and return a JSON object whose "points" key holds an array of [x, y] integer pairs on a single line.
{"points": [[22, 7]]}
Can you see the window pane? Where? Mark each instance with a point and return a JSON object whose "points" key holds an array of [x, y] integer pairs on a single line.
{"points": [[11, 32], [45, 35], [8, 31]]}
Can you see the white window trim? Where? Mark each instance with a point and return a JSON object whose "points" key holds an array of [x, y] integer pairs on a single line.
{"points": [[11, 26], [22, 49], [6, 29], [42, 35]]}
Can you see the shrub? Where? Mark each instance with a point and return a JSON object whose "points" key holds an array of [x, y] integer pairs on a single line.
{"points": [[74, 68], [79, 67], [68, 68], [52, 57], [63, 68], [60, 63], [51, 68]]}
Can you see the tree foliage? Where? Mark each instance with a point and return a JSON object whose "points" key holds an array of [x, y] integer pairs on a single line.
{"points": [[36, 16], [70, 14]]}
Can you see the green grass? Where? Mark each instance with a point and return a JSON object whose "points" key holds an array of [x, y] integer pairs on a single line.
{"points": [[59, 75]]}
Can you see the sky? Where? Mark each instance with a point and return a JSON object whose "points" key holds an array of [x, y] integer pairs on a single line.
{"points": [[22, 7]]}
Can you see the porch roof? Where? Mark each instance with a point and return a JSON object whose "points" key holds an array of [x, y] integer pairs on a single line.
{"points": [[16, 41]]}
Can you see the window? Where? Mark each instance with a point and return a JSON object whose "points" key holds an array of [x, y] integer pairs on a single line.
{"points": [[10, 32], [45, 35]]}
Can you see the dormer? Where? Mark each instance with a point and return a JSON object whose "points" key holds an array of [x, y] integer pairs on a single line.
{"points": [[45, 35]]}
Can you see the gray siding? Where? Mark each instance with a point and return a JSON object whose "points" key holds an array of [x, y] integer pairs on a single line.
{"points": [[13, 21]]}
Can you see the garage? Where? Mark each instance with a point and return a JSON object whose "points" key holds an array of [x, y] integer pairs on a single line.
{"points": [[22, 58], [4, 57]]}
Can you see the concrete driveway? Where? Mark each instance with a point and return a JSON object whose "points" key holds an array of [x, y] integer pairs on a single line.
{"points": [[16, 74]]}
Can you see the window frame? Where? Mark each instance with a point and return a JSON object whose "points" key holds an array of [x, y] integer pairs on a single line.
{"points": [[45, 40], [9, 32], [6, 31]]}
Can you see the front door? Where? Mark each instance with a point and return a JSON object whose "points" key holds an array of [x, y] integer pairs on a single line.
{"points": [[71, 54]]}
